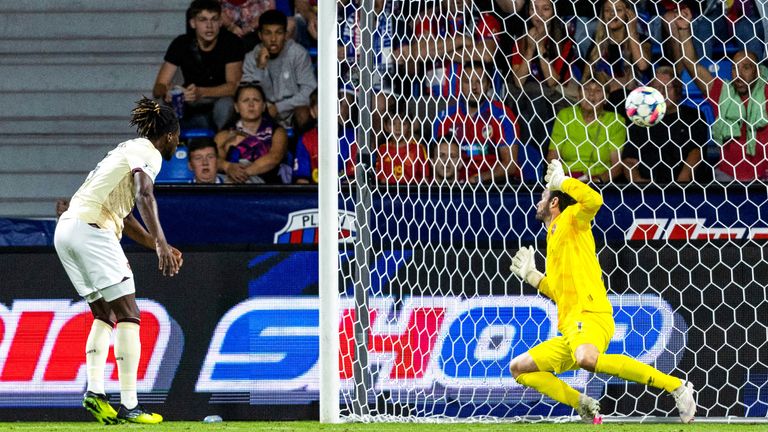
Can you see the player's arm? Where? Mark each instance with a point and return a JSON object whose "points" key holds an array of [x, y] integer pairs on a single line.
{"points": [[588, 199], [169, 262], [136, 232]]}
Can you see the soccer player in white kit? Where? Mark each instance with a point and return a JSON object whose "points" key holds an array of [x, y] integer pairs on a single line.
{"points": [[87, 240]]}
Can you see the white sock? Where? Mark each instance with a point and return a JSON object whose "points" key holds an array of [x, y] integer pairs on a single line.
{"points": [[96, 350], [127, 353]]}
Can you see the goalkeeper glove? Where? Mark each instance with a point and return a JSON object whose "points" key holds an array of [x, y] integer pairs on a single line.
{"points": [[524, 266], [555, 175]]}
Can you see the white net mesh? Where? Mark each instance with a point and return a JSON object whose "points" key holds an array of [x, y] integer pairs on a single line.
{"points": [[448, 112]]}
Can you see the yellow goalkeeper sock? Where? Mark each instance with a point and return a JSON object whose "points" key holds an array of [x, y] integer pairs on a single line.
{"points": [[550, 385], [632, 370]]}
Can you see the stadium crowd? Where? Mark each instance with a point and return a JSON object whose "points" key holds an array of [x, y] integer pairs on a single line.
{"points": [[476, 92]]}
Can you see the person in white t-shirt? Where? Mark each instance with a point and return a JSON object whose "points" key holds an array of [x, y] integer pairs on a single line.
{"points": [[87, 241]]}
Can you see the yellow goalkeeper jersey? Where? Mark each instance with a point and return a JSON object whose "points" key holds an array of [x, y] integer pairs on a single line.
{"points": [[573, 275]]}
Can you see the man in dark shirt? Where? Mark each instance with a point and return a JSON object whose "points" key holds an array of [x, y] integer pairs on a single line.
{"points": [[671, 150], [211, 62]]}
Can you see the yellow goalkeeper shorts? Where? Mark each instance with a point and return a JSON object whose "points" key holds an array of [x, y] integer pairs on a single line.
{"points": [[559, 353]]}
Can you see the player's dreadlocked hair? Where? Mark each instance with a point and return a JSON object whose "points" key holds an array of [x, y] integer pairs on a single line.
{"points": [[152, 120]]}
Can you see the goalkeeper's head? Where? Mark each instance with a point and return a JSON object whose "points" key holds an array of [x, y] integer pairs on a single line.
{"points": [[552, 203]]}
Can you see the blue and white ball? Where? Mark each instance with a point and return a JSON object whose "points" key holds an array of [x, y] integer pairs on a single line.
{"points": [[645, 106]]}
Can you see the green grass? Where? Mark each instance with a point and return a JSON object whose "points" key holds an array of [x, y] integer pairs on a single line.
{"points": [[382, 427]]}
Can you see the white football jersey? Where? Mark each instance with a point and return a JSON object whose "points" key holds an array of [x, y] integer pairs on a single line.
{"points": [[107, 195]]}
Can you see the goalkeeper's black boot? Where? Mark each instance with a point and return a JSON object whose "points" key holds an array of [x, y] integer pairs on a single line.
{"points": [[138, 415], [98, 405]]}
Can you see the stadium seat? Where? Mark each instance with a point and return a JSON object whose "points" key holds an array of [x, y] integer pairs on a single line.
{"points": [[176, 169]]}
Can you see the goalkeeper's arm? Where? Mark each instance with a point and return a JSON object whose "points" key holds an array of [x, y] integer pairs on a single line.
{"points": [[590, 200], [524, 266]]}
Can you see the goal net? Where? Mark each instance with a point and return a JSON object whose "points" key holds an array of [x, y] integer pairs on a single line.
{"points": [[448, 112]]}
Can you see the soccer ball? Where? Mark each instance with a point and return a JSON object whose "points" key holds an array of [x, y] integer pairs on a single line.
{"points": [[645, 106]]}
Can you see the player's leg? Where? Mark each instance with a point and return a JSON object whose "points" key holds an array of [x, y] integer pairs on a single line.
{"points": [[104, 264], [122, 301], [97, 344], [537, 367], [70, 237], [627, 368], [590, 345], [95, 399]]}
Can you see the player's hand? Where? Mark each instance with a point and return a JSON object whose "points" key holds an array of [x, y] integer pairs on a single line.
{"points": [[178, 256], [168, 262], [523, 262], [524, 266], [555, 175]]}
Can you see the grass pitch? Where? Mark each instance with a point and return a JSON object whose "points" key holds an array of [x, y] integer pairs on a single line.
{"points": [[381, 427]]}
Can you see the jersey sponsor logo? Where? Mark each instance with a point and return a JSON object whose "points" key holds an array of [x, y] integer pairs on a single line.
{"points": [[42, 349], [423, 343], [303, 227], [689, 229]]}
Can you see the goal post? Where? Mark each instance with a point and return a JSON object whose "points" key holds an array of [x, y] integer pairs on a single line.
{"points": [[328, 190]]}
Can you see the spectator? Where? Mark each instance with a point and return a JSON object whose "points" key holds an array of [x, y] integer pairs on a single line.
{"points": [[211, 64], [541, 63], [446, 163], [391, 46], [511, 6], [203, 161], [542, 59], [741, 121], [485, 130], [719, 23], [587, 139], [619, 57], [241, 18], [445, 39], [252, 150], [402, 159], [670, 151], [283, 68], [306, 23], [305, 169]]}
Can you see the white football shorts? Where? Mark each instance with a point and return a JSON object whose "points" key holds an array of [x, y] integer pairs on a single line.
{"points": [[93, 259]]}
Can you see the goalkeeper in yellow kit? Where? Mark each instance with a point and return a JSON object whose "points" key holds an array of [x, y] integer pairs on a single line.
{"points": [[574, 282]]}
